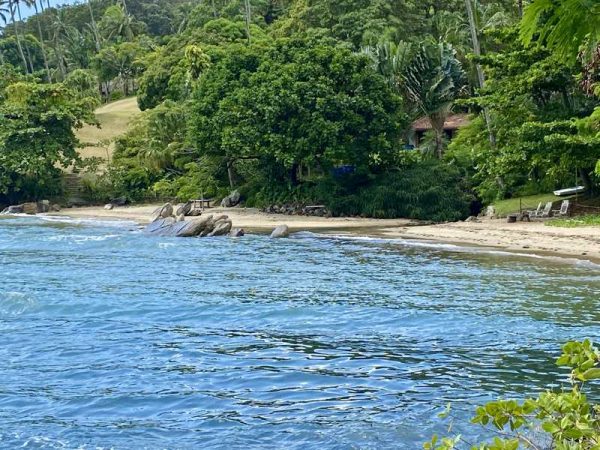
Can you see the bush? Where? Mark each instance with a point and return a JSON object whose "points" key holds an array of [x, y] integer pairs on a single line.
{"points": [[429, 190], [562, 420]]}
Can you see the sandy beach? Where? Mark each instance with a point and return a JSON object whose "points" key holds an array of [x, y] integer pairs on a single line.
{"points": [[526, 237]]}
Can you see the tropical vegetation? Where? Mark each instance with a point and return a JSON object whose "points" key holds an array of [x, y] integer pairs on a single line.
{"points": [[307, 101]]}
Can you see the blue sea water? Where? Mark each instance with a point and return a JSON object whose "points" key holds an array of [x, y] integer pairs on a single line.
{"points": [[113, 339]]}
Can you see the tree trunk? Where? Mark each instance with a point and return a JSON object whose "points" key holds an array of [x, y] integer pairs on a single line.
{"points": [[248, 20], [11, 6], [480, 74], [231, 174], [215, 13], [26, 46], [438, 120], [294, 174], [520, 7], [94, 26], [41, 35], [586, 179]]}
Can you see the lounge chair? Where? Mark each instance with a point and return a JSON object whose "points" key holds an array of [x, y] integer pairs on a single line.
{"points": [[537, 211], [563, 211], [544, 213]]}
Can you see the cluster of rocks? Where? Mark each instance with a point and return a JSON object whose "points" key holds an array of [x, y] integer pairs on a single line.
{"points": [[170, 221], [298, 210], [40, 207]]}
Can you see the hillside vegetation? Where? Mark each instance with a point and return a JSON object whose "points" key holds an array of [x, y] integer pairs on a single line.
{"points": [[303, 101]]}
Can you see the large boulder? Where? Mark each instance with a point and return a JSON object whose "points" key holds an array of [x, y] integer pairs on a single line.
{"points": [[282, 231], [222, 228], [163, 212], [15, 209], [160, 227], [30, 208], [183, 208], [120, 201], [194, 227], [43, 206], [231, 200]]}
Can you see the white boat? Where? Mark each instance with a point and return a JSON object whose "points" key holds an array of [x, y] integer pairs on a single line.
{"points": [[570, 191]]}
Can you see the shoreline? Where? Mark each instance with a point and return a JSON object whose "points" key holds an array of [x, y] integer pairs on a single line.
{"points": [[522, 237]]}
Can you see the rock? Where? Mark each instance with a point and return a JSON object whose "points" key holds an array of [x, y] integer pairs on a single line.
{"points": [[282, 231], [231, 200], [120, 201], [221, 217], [237, 232], [180, 218], [15, 209], [43, 206], [194, 227], [472, 219], [30, 208], [160, 227], [55, 208], [222, 228], [163, 212], [183, 208], [109, 206]]}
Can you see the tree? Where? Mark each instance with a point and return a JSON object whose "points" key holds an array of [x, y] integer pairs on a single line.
{"points": [[119, 61], [429, 75], [565, 27], [12, 5], [297, 105], [4, 11], [37, 138]]}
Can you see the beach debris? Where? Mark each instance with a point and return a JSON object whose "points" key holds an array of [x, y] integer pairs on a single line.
{"points": [[298, 210], [109, 206], [282, 231], [472, 219], [55, 208], [231, 200]]}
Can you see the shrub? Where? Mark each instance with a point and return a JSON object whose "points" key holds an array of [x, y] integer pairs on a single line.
{"points": [[562, 420]]}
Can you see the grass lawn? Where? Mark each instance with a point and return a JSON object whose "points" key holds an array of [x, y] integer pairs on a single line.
{"points": [[505, 207], [114, 119], [573, 222]]}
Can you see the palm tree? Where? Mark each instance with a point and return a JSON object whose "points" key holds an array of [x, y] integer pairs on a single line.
{"points": [[432, 80], [18, 5], [12, 5], [41, 36], [4, 19]]}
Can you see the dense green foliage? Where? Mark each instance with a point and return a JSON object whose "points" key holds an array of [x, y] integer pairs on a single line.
{"points": [[294, 100]]}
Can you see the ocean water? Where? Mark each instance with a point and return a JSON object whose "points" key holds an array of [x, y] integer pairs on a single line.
{"points": [[113, 339]]}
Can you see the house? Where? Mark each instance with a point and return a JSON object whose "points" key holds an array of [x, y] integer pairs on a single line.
{"points": [[421, 126]]}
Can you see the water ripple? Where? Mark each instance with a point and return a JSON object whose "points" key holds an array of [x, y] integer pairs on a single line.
{"points": [[112, 339]]}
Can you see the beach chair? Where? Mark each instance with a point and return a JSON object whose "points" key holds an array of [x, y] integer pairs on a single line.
{"points": [[563, 211], [544, 213], [537, 211]]}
